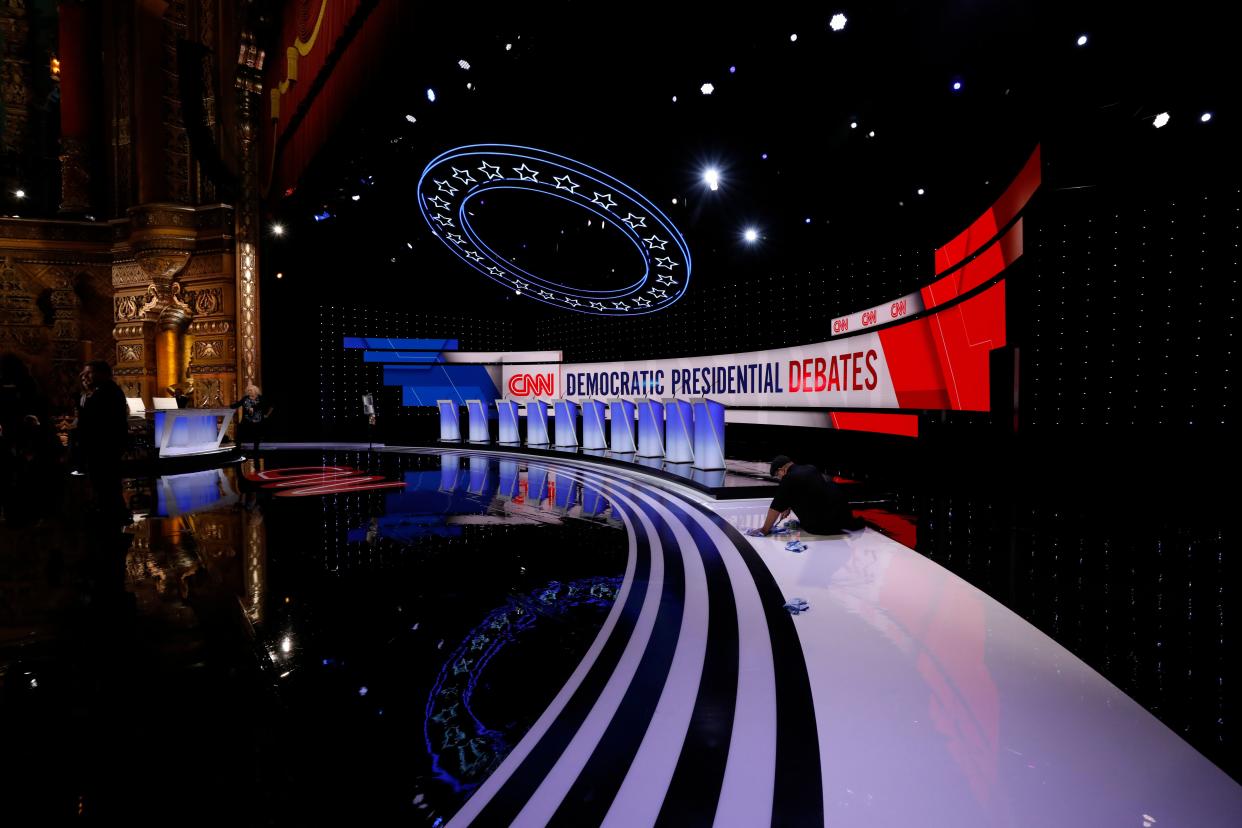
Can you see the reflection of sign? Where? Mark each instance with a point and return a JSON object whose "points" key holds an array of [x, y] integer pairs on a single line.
{"points": [[307, 481], [532, 385]]}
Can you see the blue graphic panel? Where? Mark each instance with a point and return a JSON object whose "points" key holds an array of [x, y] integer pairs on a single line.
{"points": [[424, 384], [402, 356], [388, 343]]}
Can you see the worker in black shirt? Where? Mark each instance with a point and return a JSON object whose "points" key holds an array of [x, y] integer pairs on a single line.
{"points": [[818, 503]]}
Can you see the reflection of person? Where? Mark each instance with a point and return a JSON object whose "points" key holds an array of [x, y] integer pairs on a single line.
{"points": [[252, 416], [103, 431], [818, 503]]}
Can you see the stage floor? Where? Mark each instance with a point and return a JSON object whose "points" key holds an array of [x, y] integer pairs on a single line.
{"points": [[464, 637]]}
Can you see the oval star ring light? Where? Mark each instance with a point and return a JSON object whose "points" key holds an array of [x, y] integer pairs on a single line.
{"points": [[456, 177]]}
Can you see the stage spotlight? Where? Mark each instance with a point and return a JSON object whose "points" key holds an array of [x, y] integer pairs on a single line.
{"points": [[431, 95], [278, 229], [707, 89], [732, 70], [751, 235], [19, 193], [957, 86], [464, 65], [674, 99], [354, 197], [871, 134], [837, 23], [280, 275], [410, 245], [411, 119], [807, 220], [1082, 40], [793, 38], [674, 201], [853, 124], [508, 47], [920, 190], [1161, 120], [712, 178], [1205, 117]]}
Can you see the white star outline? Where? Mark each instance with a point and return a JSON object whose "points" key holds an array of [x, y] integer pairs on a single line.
{"points": [[443, 221], [495, 271], [599, 199], [491, 176], [561, 183], [519, 284], [463, 176], [521, 169], [639, 221], [666, 279], [473, 255], [656, 243], [640, 302], [456, 238], [598, 305], [547, 294], [438, 203], [658, 293], [621, 306], [666, 262], [445, 187], [572, 302]]}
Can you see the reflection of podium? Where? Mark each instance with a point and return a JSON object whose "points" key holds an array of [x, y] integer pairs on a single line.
{"points": [[477, 413], [593, 425], [537, 423], [507, 411], [185, 432], [450, 421], [709, 427], [566, 424], [650, 428], [678, 431], [622, 413]]}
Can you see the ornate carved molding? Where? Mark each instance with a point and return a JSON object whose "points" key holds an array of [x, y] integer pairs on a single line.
{"points": [[75, 179], [129, 352], [211, 326], [208, 349]]}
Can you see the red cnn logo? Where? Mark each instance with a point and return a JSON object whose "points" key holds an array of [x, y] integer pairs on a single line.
{"points": [[533, 385]]}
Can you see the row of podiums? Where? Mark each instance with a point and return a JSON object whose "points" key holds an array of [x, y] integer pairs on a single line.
{"points": [[674, 430]]}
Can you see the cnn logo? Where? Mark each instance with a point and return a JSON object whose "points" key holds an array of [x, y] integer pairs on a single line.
{"points": [[532, 385]]}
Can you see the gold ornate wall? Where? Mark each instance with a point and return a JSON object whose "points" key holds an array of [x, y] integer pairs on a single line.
{"points": [[154, 294]]}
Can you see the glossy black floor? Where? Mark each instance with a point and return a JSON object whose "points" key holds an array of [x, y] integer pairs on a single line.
{"points": [[286, 659]]}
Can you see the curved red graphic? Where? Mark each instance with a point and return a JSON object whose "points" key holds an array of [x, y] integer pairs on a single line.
{"points": [[309, 481]]}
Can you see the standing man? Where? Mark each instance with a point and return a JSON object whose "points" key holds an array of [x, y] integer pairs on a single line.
{"points": [[103, 432], [818, 503]]}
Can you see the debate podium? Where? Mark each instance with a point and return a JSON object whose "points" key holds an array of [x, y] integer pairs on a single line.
{"points": [[508, 412], [650, 428], [476, 411], [678, 431], [566, 424], [450, 421], [709, 435], [537, 423], [593, 434], [622, 435]]}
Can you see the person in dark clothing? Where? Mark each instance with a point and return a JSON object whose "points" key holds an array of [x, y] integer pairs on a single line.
{"points": [[103, 433], [253, 414], [816, 500]]}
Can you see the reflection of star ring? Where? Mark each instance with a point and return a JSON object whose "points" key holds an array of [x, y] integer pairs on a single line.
{"points": [[483, 167]]}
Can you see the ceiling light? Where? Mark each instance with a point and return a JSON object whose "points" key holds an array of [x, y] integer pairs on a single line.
{"points": [[19, 193], [707, 89], [1205, 117], [431, 95], [278, 229], [837, 23], [751, 235], [464, 65], [1161, 120], [793, 38], [711, 177], [1082, 40]]}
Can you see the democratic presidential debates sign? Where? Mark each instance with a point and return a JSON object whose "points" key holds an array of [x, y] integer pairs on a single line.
{"points": [[936, 361]]}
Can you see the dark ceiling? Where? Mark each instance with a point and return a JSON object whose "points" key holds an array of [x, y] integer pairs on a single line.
{"points": [[596, 82]]}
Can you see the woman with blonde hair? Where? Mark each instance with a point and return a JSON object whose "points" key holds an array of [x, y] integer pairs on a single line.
{"points": [[252, 416]]}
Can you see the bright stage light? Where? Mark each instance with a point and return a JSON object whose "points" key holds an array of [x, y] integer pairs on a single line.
{"points": [[871, 134], [354, 197], [1205, 117], [712, 178], [853, 124], [920, 190], [1161, 120], [1082, 40], [751, 235], [19, 193], [793, 38], [278, 229], [837, 23], [957, 86], [707, 89], [464, 65], [431, 95]]}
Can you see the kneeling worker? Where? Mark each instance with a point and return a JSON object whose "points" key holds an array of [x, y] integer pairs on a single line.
{"points": [[819, 504]]}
